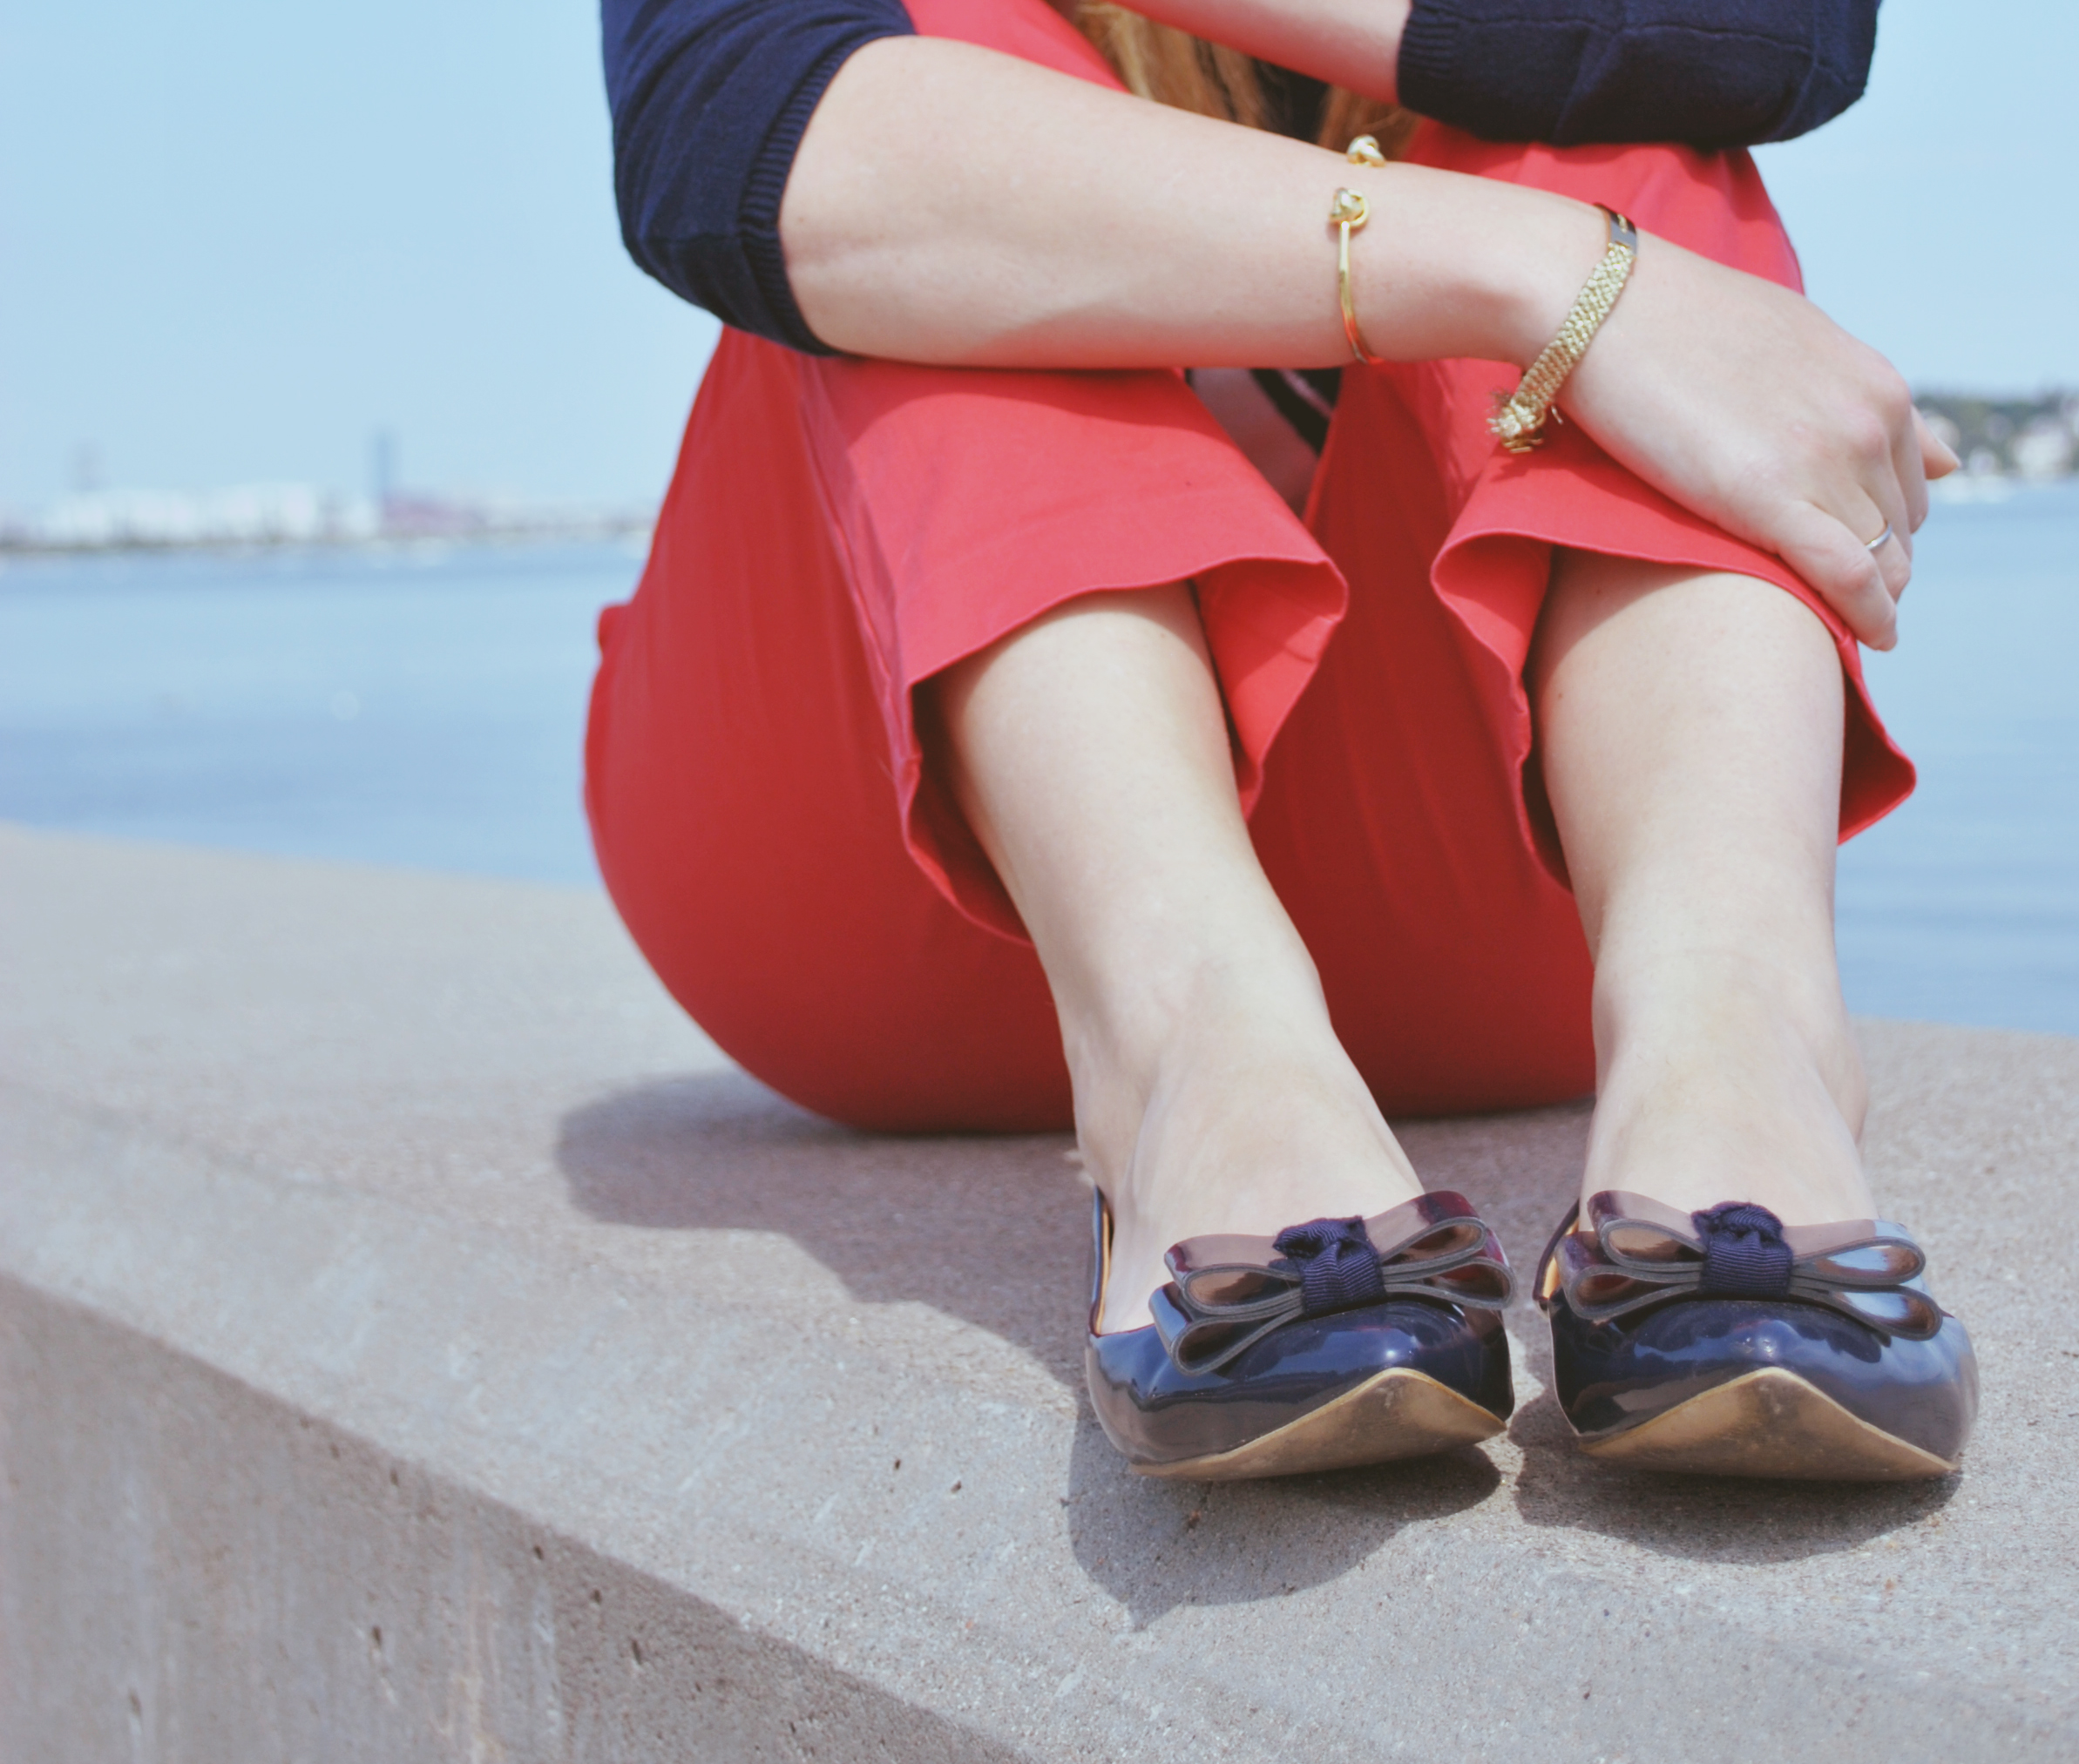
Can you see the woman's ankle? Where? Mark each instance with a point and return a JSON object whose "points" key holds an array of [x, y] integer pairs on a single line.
{"points": [[1728, 1077], [1156, 1017], [1248, 1117]]}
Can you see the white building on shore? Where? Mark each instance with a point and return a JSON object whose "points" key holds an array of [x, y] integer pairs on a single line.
{"points": [[275, 514], [295, 514]]}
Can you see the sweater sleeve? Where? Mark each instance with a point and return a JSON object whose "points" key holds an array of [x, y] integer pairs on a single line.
{"points": [[1710, 73], [710, 98]]}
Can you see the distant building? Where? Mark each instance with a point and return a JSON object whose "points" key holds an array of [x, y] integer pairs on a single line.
{"points": [[244, 515], [1946, 430], [2044, 448], [2034, 438], [296, 514]]}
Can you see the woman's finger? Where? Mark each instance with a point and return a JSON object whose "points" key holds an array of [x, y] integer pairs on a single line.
{"points": [[1893, 558], [1884, 513], [1909, 464], [1843, 570], [1938, 458]]}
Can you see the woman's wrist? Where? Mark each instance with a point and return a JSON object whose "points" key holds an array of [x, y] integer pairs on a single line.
{"points": [[1466, 268], [1540, 260]]}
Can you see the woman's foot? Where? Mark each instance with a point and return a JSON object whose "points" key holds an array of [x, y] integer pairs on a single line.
{"points": [[1717, 1086], [1090, 752], [1690, 736], [1233, 1109], [1240, 1113], [1720, 1354]]}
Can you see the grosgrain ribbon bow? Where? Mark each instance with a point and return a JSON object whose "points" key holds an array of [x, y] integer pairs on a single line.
{"points": [[1637, 1255], [1435, 1248]]}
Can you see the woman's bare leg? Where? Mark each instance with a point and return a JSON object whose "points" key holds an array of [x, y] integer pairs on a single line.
{"points": [[1089, 752], [1690, 729]]}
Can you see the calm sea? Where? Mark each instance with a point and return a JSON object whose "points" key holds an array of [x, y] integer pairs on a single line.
{"points": [[426, 708]]}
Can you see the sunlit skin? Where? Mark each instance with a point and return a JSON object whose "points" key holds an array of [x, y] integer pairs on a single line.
{"points": [[1021, 218], [1689, 726]]}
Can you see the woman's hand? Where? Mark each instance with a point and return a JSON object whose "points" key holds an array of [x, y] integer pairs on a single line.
{"points": [[1743, 401]]}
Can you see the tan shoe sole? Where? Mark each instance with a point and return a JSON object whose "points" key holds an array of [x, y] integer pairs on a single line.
{"points": [[1767, 1424], [1395, 1414]]}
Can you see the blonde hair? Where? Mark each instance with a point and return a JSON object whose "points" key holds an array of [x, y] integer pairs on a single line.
{"points": [[1172, 67]]}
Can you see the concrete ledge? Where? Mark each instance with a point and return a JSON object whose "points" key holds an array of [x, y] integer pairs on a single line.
{"points": [[417, 1342], [220, 1578]]}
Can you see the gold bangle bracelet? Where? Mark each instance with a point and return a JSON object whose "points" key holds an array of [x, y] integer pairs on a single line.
{"points": [[1519, 420], [1348, 212]]}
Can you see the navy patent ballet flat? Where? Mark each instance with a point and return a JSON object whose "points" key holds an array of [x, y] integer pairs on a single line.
{"points": [[1727, 1343], [1339, 1342]]}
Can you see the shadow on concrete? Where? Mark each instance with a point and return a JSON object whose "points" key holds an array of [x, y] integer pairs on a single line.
{"points": [[1522, 1169], [990, 1230], [1155, 1544], [1693, 1518]]}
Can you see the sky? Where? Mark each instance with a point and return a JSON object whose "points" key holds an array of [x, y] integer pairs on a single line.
{"points": [[238, 238], [1931, 217]]}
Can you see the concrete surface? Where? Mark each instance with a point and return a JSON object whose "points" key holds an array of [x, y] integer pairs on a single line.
{"points": [[417, 1343]]}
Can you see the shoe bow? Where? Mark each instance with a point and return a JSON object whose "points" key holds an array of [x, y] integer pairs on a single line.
{"points": [[1635, 1252], [1228, 1293]]}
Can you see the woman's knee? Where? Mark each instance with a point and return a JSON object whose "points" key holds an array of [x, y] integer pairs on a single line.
{"points": [[1643, 643]]}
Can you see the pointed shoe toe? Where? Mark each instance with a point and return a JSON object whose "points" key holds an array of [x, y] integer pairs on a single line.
{"points": [[1725, 1343], [1339, 1342]]}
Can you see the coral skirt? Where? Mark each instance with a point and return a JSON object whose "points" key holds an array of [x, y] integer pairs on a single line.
{"points": [[788, 860]]}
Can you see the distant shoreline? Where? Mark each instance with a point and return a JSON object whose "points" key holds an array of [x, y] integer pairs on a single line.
{"points": [[1963, 488], [23, 548], [2006, 444]]}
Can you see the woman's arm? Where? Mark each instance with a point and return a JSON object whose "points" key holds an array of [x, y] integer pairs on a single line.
{"points": [[1710, 73], [1021, 218], [710, 96], [710, 99], [1018, 217]]}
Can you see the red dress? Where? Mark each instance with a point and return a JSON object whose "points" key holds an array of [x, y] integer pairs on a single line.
{"points": [[838, 531]]}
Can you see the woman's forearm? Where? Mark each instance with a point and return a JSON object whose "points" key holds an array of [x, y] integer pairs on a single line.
{"points": [[1348, 43], [1021, 218]]}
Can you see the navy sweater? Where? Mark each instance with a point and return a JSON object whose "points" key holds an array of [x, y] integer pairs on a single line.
{"points": [[710, 98]]}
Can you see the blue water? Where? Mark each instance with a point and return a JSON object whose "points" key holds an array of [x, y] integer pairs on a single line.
{"points": [[406, 707], [426, 708], [1963, 906]]}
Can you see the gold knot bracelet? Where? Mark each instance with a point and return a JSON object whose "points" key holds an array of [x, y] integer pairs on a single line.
{"points": [[1519, 420], [1348, 212]]}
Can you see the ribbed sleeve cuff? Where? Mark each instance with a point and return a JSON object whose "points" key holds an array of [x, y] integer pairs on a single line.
{"points": [[1429, 44], [1573, 71], [759, 218], [1505, 78]]}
